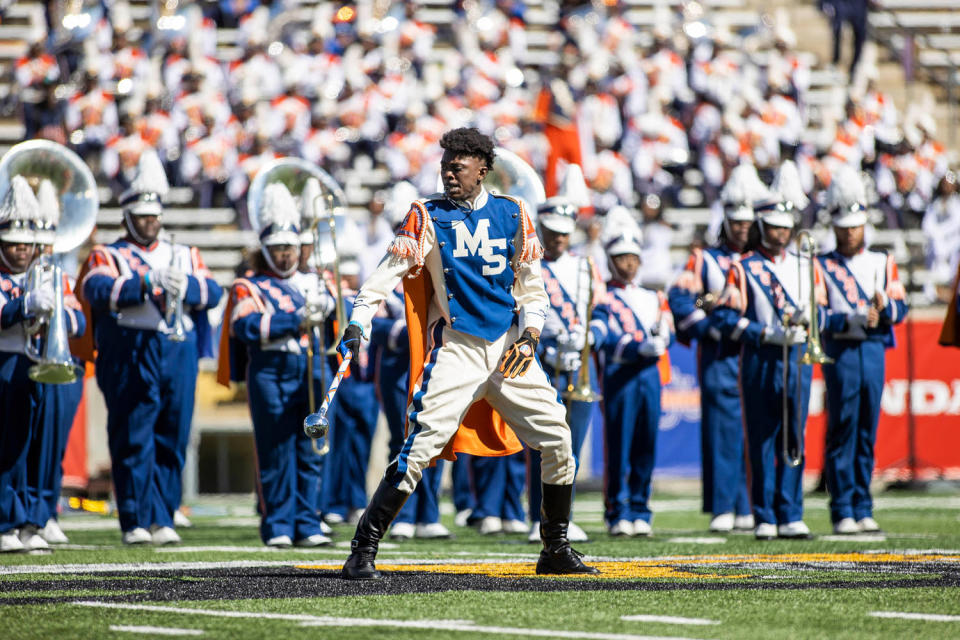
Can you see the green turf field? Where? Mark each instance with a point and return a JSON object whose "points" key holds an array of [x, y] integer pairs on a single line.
{"points": [[681, 583]]}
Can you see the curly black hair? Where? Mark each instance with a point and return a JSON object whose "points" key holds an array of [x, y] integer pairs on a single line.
{"points": [[468, 141]]}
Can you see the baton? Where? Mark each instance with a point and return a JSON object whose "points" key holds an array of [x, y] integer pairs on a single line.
{"points": [[316, 425]]}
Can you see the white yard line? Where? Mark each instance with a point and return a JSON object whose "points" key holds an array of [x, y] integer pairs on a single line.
{"points": [[159, 631], [695, 540], [926, 617], [861, 537], [668, 619], [464, 626]]}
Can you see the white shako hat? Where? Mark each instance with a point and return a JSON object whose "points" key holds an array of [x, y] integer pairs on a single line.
{"points": [[621, 233], [279, 217], [312, 207], [787, 185], [742, 190], [148, 189], [19, 213], [778, 209], [49, 205], [559, 212], [847, 198]]}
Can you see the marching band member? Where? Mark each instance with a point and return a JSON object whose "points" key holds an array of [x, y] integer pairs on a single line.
{"points": [[264, 343], [22, 401], [865, 300], [692, 298], [764, 307], [148, 379], [44, 462], [482, 261], [639, 331], [568, 280]]}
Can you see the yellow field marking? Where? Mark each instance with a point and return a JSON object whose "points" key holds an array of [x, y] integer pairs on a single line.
{"points": [[669, 567], [619, 570]]}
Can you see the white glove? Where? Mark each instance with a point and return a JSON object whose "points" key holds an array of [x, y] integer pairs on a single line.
{"points": [[171, 280], [778, 335], [653, 347], [797, 335], [318, 307], [39, 301], [576, 337]]}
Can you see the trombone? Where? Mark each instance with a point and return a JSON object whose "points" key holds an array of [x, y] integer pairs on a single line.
{"points": [[583, 392], [812, 353]]}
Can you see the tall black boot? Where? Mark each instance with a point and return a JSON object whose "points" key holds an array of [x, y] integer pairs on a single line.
{"points": [[558, 556], [383, 508]]}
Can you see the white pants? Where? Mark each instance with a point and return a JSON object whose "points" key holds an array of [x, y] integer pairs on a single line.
{"points": [[462, 369]]}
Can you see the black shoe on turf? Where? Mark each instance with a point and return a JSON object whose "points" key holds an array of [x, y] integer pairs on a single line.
{"points": [[563, 561], [360, 565]]}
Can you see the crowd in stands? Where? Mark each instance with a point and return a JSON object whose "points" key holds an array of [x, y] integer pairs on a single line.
{"points": [[358, 86]]}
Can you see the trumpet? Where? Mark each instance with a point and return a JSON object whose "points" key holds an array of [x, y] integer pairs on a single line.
{"points": [[583, 392], [812, 353], [55, 364], [174, 304], [76, 190]]}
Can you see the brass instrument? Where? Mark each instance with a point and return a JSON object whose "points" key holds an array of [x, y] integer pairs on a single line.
{"points": [[511, 175], [174, 305], [583, 392], [812, 353], [36, 161], [327, 207], [706, 301]]}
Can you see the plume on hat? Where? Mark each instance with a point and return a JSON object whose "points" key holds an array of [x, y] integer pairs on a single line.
{"points": [[846, 189], [151, 177], [574, 187], [18, 209], [19, 203], [621, 233], [744, 186], [786, 184], [49, 203], [279, 216]]}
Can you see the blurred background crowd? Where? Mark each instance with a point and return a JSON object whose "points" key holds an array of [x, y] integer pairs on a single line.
{"points": [[656, 110]]}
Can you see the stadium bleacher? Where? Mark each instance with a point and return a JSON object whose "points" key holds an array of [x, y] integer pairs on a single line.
{"points": [[937, 26]]}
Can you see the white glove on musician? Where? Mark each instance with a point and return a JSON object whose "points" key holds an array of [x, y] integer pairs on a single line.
{"points": [[40, 301], [318, 307], [171, 280], [778, 335], [653, 347]]}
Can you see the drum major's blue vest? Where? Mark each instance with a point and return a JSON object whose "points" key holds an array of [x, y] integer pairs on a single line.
{"points": [[477, 249]]}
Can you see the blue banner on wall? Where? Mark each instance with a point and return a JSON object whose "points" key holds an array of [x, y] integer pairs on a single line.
{"points": [[678, 442]]}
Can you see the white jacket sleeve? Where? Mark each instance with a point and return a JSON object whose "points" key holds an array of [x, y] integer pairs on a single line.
{"points": [[385, 278]]}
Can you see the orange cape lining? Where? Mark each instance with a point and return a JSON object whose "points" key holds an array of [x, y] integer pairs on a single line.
{"points": [[483, 431]]}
